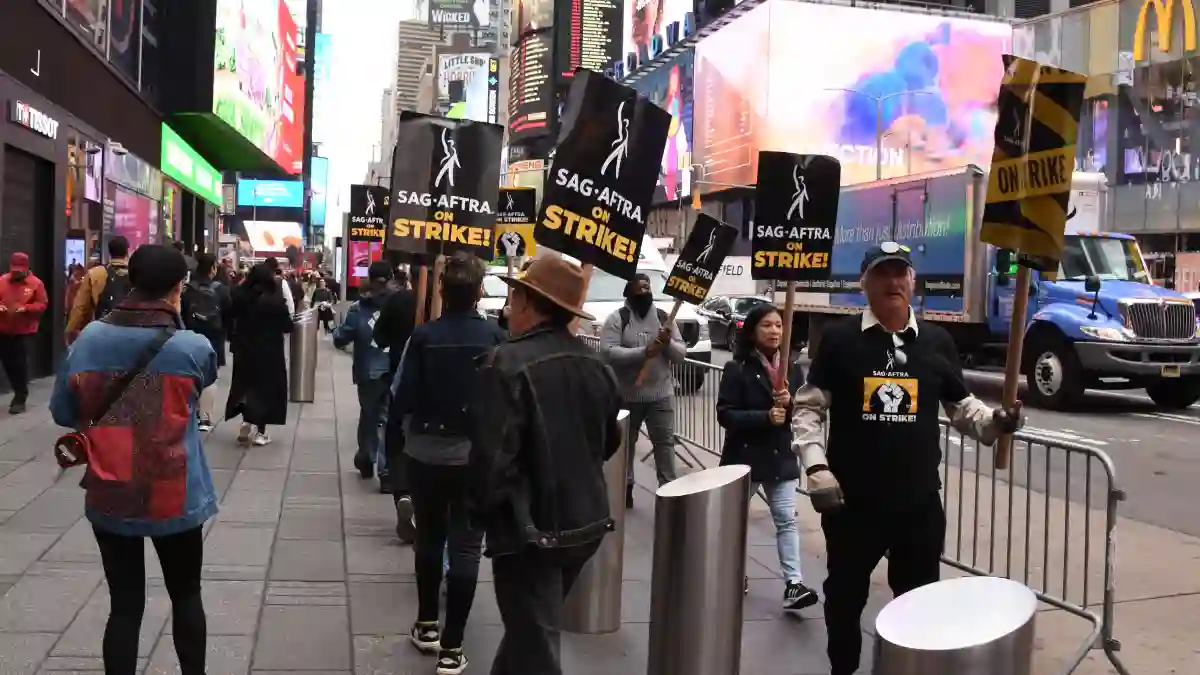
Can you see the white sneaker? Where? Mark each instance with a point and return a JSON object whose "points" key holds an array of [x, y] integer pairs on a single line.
{"points": [[261, 439], [205, 425], [243, 436]]}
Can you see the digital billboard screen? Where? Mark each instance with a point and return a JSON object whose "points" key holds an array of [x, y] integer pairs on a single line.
{"points": [[272, 236], [533, 15], [646, 18], [464, 81], [319, 182], [530, 88], [256, 87], [589, 35], [671, 87], [276, 193], [459, 13], [933, 78]]}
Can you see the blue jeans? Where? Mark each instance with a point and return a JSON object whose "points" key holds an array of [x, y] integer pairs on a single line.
{"points": [[372, 406], [781, 498]]}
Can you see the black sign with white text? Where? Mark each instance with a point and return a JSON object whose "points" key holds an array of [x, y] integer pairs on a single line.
{"points": [[796, 202], [514, 223], [603, 176], [445, 181], [368, 212], [700, 260]]}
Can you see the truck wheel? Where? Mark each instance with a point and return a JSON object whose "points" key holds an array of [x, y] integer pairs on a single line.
{"points": [[1052, 373], [1175, 394]]}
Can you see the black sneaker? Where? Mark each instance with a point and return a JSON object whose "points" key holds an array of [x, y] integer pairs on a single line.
{"points": [[366, 468], [385, 483], [629, 496], [406, 526], [16, 408], [451, 661], [426, 637], [798, 596]]}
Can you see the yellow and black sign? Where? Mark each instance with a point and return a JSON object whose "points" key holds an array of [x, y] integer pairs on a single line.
{"points": [[515, 214], [442, 230], [701, 259], [514, 241], [1029, 184], [890, 399]]}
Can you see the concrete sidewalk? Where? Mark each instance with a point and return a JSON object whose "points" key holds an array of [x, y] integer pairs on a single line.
{"points": [[302, 571]]}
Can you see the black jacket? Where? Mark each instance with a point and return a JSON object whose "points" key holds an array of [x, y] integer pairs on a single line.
{"points": [[742, 406], [259, 390], [544, 421], [395, 324]]}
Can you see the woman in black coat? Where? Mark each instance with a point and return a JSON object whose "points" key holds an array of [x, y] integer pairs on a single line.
{"points": [[260, 319], [757, 433]]}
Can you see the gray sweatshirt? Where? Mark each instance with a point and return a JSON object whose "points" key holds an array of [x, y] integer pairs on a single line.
{"points": [[626, 352]]}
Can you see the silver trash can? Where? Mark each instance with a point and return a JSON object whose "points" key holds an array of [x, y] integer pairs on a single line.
{"points": [[594, 604], [967, 626], [696, 587], [302, 357]]}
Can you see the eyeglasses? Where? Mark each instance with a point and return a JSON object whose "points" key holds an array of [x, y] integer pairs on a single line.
{"points": [[891, 247]]}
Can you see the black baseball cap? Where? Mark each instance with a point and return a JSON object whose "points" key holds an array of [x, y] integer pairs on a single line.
{"points": [[883, 252], [380, 269]]}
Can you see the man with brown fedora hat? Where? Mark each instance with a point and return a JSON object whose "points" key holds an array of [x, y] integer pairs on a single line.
{"points": [[544, 417]]}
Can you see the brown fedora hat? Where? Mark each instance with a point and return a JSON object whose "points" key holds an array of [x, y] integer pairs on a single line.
{"points": [[556, 280]]}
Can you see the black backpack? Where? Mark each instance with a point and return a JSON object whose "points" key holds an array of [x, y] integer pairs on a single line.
{"points": [[116, 288], [203, 306], [624, 311]]}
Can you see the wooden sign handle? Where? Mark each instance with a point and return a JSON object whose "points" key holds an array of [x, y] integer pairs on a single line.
{"points": [[1012, 362], [422, 288], [439, 265], [785, 347], [646, 366]]}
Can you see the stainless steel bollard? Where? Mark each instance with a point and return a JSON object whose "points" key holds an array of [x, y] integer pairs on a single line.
{"points": [[696, 589], [302, 357], [594, 603], [967, 626]]}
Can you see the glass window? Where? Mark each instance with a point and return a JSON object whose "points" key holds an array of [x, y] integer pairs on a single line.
{"points": [[744, 305], [151, 28], [89, 17], [1107, 258], [125, 41], [493, 287]]}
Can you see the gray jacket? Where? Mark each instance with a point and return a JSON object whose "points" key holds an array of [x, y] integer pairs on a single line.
{"points": [[626, 352]]}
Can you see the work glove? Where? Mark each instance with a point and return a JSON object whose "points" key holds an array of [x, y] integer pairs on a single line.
{"points": [[825, 492], [1008, 420]]}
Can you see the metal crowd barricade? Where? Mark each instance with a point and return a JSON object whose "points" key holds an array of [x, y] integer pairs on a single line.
{"points": [[1047, 522]]}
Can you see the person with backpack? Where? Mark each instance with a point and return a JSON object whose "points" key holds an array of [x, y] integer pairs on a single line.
{"points": [[636, 334], [206, 305], [101, 289]]}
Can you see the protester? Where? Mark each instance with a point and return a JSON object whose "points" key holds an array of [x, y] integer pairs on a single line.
{"points": [[146, 475], [755, 416], [636, 334], [876, 483], [101, 288], [259, 320], [322, 301], [392, 331], [437, 374], [370, 371], [272, 263], [22, 301], [207, 305], [544, 420]]}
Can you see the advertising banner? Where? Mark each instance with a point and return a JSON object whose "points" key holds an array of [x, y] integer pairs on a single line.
{"points": [[446, 203], [795, 213], [603, 176], [701, 259], [256, 89], [533, 15], [515, 214], [1029, 185], [530, 88], [181, 162], [647, 18], [368, 209], [463, 84], [277, 193], [459, 13], [319, 184], [924, 84], [324, 120], [272, 236], [590, 36], [670, 88]]}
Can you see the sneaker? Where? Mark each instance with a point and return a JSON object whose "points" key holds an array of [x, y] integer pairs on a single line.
{"points": [[426, 637], [261, 439], [205, 424], [406, 523], [366, 468], [243, 436], [798, 596], [385, 483], [16, 408], [451, 661]]}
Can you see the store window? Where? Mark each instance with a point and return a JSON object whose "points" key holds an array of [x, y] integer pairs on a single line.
{"points": [[89, 17], [125, 39], [1155, 115], [82, 193]]}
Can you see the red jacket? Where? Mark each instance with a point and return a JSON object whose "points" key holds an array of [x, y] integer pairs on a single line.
{"points": [[30, 294]]}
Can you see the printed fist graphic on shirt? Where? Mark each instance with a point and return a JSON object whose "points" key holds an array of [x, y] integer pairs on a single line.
{"points": [[892, 395]]}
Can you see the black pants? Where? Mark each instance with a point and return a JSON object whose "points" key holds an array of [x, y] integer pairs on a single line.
{"points": [[397, 461], [855, 541], [530, 589], [16, 364], [439, 495], [181, 556]]}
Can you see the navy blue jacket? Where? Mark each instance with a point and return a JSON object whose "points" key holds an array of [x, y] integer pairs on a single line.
{"points": [[743, 404], [370, 362]]}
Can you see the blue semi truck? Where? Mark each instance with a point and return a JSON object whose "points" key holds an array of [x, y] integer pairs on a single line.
{"points": [[1098, 324]]}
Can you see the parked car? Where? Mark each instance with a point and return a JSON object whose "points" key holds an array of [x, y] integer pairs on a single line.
{"points": [[725, 314]]}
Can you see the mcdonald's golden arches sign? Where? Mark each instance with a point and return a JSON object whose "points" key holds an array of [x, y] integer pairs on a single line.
{"points": [[1164, 12]]}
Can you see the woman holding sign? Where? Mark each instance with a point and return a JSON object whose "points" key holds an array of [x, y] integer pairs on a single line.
{"points": [[755, 417]]}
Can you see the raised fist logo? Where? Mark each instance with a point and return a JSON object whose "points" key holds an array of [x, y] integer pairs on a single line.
{"points": [[512, 243], [891, 395]]}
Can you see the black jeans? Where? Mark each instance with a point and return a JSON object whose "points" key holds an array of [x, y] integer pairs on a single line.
{"points": [[855, 540], [439, 495], [16, 364], [530, 589], [181, 556]]}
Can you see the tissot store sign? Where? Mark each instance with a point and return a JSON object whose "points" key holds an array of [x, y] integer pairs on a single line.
{"points": [[33, 119]]}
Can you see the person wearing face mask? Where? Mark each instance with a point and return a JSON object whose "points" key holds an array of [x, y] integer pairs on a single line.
{"points": [[876, 481], [632, 336], [22, 301]]}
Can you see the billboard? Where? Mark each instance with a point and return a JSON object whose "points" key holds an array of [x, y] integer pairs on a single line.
{"points": [[324, 123], [589, 36], [646, 18], [460, 13], [670, 87], [532, 15], [256, 88], [463, 83], [928, 81], [530, 88], [1164, 12], [272, 236], [319, 183], [181, 162], [277, 193]]}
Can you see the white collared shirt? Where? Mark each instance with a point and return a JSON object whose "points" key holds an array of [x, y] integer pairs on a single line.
{"points": [[869, 319]]}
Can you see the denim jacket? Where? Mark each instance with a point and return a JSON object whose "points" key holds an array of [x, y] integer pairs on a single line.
{"points": [[370, 362], [544, 422]]}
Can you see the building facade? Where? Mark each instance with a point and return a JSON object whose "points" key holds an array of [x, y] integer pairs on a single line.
{"points": [[415, 47]]}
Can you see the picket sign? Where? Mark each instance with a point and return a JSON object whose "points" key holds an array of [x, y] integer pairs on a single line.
{"points": [[641, 377]]}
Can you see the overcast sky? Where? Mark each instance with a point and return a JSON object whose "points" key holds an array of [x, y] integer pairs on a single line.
{"points": [[363, 37]]}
